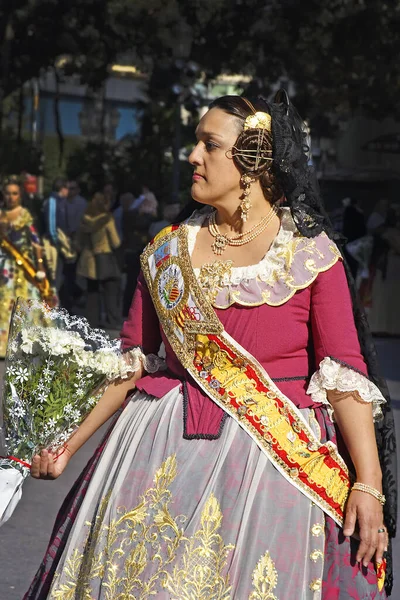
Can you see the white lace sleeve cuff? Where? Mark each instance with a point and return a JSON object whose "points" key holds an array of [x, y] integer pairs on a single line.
{"points": [[332, 375], [135, 358]]}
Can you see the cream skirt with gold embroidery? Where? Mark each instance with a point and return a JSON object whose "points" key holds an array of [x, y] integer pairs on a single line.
{"points": [[170, 518]]}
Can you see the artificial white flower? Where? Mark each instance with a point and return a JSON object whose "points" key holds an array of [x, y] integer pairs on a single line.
{"points": [[47, 372], [21, 374], [42, 397], [92, 401], [75, 415], [27, 341], [83, 357], [63, 437], [68, 409], [17, 411]]}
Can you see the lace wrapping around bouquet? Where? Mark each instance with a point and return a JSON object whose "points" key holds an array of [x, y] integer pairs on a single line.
{"points": [[57, 368]]}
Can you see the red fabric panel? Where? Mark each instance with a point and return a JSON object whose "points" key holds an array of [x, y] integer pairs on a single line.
{"points": [[332, 323], [142, 327]]}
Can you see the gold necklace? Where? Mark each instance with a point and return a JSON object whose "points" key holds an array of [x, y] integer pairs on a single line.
{"points": [[222, 241]]}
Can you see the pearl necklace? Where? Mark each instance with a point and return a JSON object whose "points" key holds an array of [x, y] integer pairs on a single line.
{"points": [[222, 241]]}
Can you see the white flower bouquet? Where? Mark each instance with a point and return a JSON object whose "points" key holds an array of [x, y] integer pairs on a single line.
{"points": [[57, 368]]}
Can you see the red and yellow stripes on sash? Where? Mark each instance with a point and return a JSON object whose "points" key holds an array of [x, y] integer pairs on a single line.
{"points": [[163, 233], [235, 380], [227, 374]]}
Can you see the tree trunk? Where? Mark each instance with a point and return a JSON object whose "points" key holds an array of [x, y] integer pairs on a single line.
{"points": [[21, 107], [5, 66], [57, 117]]}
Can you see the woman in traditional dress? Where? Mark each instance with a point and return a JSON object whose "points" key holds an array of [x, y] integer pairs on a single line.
{"points": [[224, 476], [22, 268]]}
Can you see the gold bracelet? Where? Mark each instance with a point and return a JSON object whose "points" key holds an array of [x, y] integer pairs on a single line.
{"points": [[363, 487]]}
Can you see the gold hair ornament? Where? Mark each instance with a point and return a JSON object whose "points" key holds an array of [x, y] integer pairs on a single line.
{"points": [[253, 151], [261, 123], [259, 120]]}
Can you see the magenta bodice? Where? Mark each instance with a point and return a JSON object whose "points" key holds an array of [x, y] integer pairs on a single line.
{"points": [[289, 341]]}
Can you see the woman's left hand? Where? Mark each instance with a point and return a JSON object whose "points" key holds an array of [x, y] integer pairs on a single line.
{"points": [[366, 511]]}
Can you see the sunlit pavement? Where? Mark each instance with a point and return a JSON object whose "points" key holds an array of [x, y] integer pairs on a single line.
{"points": [[24, 538]]}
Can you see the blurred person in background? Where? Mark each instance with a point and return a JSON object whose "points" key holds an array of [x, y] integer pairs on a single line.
{"points": [[54, 213], [378, 216], [147, 202], [22, 262], [170, 212], [136, 222], [75, 206], [377, 253], [384, 314], [353, 228], [110, 193], [126, 202], [98, 241], [31, 199]]}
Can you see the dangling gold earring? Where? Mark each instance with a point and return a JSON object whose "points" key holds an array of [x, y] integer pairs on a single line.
{"points": [[245, 204]]}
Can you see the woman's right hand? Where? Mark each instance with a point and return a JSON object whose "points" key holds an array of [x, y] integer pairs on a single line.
{"points": [[47, 465]]}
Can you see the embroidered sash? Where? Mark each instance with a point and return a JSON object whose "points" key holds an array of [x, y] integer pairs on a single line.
{"points": [[26, 264], [235, 380]]}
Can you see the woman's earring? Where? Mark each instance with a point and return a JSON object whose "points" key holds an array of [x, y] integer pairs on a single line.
{"points": [[245, 204]]}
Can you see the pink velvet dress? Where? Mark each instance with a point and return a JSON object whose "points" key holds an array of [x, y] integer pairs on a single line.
{"points": [[182, 504]]}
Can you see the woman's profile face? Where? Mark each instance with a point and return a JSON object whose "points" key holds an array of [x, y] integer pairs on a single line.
{"points": [[12, 196], [216, 176]]}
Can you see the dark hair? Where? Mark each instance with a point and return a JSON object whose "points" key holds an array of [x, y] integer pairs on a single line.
{"points": [[12, 180], [58, 184], [98, 205]]}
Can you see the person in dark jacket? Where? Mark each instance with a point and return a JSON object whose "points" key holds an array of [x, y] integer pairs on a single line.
{"points": [[54, 213]]}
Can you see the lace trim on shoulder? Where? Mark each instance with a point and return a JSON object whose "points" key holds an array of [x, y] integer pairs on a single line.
{"points": [[333, 375], [292, 263], [135, 358]]}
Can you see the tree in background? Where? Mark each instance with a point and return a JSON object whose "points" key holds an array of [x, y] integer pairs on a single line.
{"points": [[339, 53]]}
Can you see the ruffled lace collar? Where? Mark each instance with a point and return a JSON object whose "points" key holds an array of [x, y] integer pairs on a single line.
{"points": [[291, 263]]}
